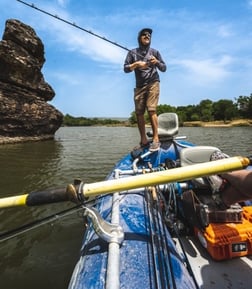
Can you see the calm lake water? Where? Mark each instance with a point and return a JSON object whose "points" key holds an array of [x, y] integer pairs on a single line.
{"points": [[45, 257]]}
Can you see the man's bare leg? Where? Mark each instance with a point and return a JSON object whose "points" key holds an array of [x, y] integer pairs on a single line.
{"points": [[154, 125], [141, 128]]}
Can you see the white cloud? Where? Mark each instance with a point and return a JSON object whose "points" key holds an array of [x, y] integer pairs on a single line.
{"points": [[79, 41], [205, 71]]}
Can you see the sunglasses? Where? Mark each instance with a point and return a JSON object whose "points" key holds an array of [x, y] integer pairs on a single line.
{"points": [[146, 34]]}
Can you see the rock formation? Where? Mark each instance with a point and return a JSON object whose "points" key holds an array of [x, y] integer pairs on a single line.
{"points": [[24, 111]]}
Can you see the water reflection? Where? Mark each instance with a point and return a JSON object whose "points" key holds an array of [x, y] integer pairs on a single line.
{"points": [[29, 166]]}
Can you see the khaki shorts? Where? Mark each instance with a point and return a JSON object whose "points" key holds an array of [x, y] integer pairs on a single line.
{"points": [[146, 97]]}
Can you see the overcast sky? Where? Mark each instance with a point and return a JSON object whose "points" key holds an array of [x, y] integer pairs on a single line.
{"points": [[206, 44]]}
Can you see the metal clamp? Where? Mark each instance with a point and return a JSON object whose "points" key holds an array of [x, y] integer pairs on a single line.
{"points": [[134, 165], [105, 230]]}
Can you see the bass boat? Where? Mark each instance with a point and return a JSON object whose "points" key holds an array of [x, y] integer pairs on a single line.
{"points": [[154, 223]]}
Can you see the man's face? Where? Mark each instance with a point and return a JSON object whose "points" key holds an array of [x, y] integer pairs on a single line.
{"points": [[145, 38]]}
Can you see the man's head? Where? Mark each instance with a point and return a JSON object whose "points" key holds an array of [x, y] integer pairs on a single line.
{"points": [[144, 37]]}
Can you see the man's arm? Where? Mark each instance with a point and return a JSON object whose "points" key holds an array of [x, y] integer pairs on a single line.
{"points": [[130, 64], [158, 61]]}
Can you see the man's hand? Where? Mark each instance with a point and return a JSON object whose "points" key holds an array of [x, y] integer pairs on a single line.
{"points": [[142, 64], [153, 60], [138, 64]]}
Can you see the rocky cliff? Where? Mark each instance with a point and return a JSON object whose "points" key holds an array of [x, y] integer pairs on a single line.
{"points": [[24, 111]]}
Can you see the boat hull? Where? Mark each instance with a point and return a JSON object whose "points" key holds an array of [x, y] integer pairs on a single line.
{"points": [[134, 240], [147, 256]]}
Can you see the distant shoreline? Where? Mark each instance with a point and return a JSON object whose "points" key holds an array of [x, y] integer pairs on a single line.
{"points": [[233, 123]]}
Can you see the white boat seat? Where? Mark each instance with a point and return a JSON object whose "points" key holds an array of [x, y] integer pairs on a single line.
{"points": [[168, 125], [196, 155]]}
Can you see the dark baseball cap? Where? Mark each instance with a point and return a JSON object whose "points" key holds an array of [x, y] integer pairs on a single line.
{"points": [[142, 31]]}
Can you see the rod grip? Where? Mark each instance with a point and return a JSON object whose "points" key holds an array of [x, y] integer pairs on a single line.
{"points": [[47, 197]]}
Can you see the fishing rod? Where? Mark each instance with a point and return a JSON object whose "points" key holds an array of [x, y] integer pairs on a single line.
{"points": [[38, 223], [80, 192], [74, 25]]}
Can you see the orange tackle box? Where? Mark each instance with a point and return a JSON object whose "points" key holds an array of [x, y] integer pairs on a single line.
{"points": [[228, 240]]}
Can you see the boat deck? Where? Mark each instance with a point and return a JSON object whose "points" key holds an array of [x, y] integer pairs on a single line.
{"points": [[227, 274], [146, 206]]}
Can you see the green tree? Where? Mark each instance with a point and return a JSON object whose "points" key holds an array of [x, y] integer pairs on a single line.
{"points": [[162, 108], [133, 118], [188, 113], [224, 110], [244, 106], [205, 108]]}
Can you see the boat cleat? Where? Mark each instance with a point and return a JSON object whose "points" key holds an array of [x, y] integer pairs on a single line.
{"points": [[111, 233]]}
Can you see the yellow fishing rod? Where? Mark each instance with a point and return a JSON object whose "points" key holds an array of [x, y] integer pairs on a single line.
{"points": [[37, 198], [167, 176], [79, 191]]}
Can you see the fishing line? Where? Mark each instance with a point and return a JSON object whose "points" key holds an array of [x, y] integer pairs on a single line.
{"points": [[38, 223], [74, 25]]}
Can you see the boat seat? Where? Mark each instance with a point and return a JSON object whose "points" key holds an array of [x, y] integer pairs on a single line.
{"points": [[196, 155], [168, 125]]}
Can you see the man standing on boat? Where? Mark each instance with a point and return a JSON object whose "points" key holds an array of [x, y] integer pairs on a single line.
{"points": [[145, 61]]}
